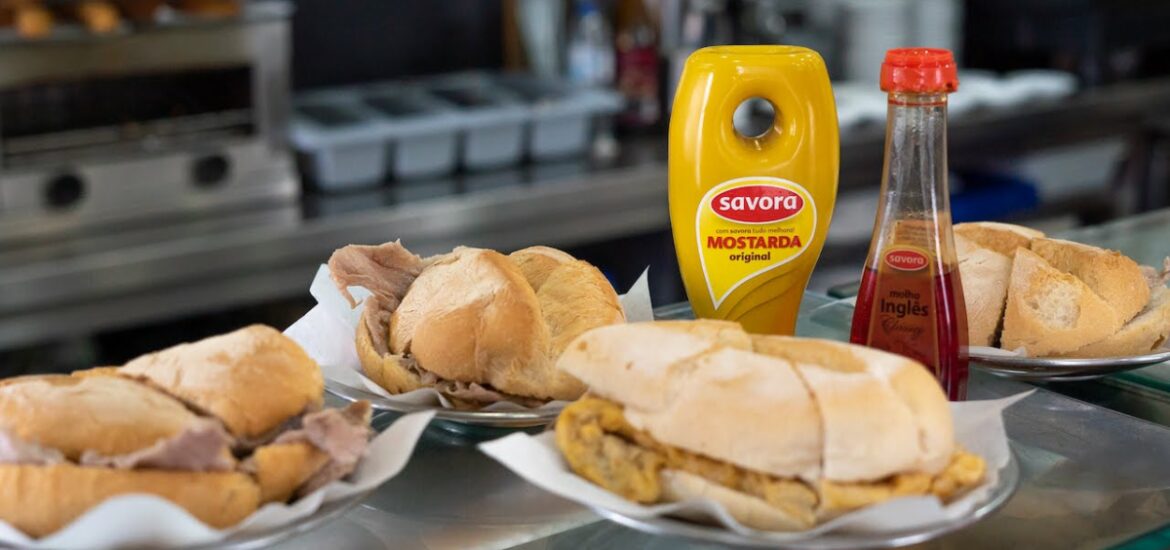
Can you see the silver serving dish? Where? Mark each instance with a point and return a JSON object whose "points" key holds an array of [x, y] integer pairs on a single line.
{"points": [[1057, 369], [268, 537], [1009, 478], [529, 418]]}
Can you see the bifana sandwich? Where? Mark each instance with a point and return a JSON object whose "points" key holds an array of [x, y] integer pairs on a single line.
{"points": [[784, 432], [478, 326], [219, 427]]}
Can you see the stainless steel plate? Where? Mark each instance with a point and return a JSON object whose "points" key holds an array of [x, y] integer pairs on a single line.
{"points": [[494, 419], [1009, 478], [1057, 369], [268, 537]]}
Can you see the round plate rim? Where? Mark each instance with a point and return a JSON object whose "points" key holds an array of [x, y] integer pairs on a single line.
{"points": [[498, 419], [1067, 369], [1008, 483]]}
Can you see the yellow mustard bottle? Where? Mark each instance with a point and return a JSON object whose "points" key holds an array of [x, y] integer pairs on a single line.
{"points": [[750, 213]]}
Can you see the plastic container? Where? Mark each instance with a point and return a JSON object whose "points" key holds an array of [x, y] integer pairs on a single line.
{"points": [[561, 116], [492, 119], [421, 132], [344, 145]]}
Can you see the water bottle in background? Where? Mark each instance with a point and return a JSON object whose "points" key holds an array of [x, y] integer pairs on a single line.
{"points": [[591, 53]]}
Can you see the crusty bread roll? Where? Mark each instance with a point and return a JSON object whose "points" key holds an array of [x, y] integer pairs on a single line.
{"points": [[691, 392], [562, 295], [915, 431], [389, 370], [473, 317], [41, 499], [104, 414], [210, 8], [1003, 238], [1144, 334], [538, 262], [478, 321], [254, 378], [69, 442], [1117, 279], [99, 16], [676, 413], [754, 512], [1050, 312], [985, 275], [32, 19], [283, 467], [597, 353]]}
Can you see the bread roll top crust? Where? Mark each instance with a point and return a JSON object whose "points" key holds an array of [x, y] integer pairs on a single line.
{"points": [[1117, 279], [253, 379], [1049, 311], [1003, 238], [108, 415]]}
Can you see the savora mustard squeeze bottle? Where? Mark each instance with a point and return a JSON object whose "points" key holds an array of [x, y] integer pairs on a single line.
{"points": [[750, 213]]}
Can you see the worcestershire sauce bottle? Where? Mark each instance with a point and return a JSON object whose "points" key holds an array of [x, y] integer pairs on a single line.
{"points": [[911, 299]]}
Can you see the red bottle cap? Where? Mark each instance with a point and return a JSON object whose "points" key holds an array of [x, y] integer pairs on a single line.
{"points": [[919, 70]]}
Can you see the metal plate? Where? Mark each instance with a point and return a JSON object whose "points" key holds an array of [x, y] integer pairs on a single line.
{"points": [[267, 537], [494, 419], [1009, 478], [1056, 369]]}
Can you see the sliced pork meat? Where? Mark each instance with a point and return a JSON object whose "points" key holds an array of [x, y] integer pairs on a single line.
{"points": [[477, 395], [1156, 278], [14, 450], [386, 270], [343, 434], [465, 395], [202, 448]]}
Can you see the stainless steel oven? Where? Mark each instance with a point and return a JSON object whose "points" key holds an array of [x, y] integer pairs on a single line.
{"points": [[179, 115]]}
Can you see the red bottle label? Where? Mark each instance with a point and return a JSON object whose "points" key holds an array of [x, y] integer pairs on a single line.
{"points": [[907, 259], [904, 307]]}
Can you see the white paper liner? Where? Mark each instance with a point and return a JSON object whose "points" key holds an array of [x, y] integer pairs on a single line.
{"points": [[327, 331], [978, 428], [149, 521]]}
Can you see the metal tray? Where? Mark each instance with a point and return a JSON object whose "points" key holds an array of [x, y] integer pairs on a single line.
{"points": [[1056, 369], [492, 419], [1009, 478]]}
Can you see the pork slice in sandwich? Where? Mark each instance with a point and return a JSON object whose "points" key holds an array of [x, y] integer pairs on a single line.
{"points": [[476, 325], [785, 432], [68, 443], [219, 427], [268, 393]]}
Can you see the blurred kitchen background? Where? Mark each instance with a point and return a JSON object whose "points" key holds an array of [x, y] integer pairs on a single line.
{"points": [[172, 169]]}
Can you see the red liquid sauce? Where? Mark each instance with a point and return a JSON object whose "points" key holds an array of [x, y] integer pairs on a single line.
{"points": [[943, 349]]}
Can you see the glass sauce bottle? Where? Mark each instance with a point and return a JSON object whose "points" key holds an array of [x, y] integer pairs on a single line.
{"points": [[911, 298]]}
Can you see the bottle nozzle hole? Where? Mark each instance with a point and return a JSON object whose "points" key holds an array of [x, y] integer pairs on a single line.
{"points": [[754, 118]]}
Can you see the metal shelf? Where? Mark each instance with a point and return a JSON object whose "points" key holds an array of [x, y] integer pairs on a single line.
{"points": [[79, 284]]}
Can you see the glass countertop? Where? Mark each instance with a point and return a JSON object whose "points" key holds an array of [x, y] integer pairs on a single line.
{"points": [[1091, 477]]}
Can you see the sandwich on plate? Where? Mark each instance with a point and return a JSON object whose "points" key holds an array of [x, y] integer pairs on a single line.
{"points": [[784, 432], [219, 427], [478, 326]]}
